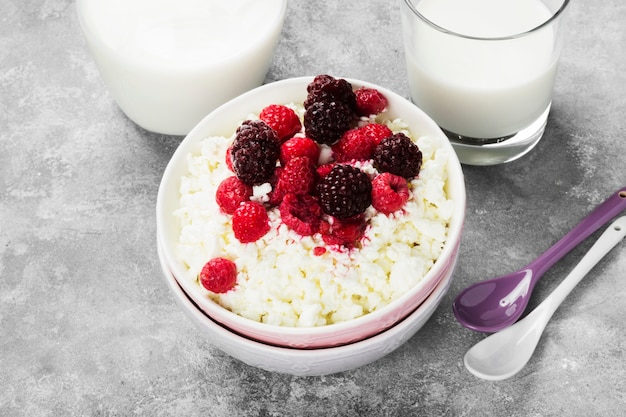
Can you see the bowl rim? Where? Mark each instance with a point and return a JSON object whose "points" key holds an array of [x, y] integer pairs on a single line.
{"points": [[204, 129]]}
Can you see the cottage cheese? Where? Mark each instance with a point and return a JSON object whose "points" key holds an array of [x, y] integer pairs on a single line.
{"points": [[280, 281]]}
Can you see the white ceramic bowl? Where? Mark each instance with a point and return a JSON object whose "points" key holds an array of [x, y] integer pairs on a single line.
{"points": [[168, 63], [306, 362], [223, 122]]}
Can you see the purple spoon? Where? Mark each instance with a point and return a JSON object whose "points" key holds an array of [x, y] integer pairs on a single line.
{"points": [[492, 305]]}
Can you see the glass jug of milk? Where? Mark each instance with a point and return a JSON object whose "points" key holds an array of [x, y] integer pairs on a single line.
{"points": [[168, 63]]}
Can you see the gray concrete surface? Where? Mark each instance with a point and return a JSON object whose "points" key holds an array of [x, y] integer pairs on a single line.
{"points": [[87, 326]]}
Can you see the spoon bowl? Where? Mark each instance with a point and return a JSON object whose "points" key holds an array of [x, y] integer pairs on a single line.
{"points": [[491, 305], [508, 295], [504, 354]]}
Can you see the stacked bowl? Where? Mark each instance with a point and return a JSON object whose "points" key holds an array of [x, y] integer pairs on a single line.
{"points": [[310, 350]]}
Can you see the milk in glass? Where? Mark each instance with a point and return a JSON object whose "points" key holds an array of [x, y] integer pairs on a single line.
{"points": [[489, 88], [169, 62]]}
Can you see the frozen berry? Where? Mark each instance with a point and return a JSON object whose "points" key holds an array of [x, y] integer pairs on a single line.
{"points": [[389, 192], [298, 176], [327, 88], [354, 145], [343, 232], [254, 152], [282, 119], [276, 195], [399, 155], [231, 193], [250, 222], [345, 191], [219, 275], [370, 101], [299, 146], [228, 158], [301, 214], [324, 169], [326, 121], [376, 131]]}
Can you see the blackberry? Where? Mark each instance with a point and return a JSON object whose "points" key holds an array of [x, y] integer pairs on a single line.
{"points": [[345, 191], [328, 88], [254, 152], [326, 121], [398, 155]]}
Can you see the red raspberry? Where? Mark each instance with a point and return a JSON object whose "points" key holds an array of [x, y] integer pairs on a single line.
{"points": [[376, 131], [277, 194], [299, 146], [250, 222], [343, 232], [219, 275], [298, 176], [370, 101], [301, 214], [231, 193], [282, 119], [229, 159], [322, 170], [389, 192], [353, 145]]}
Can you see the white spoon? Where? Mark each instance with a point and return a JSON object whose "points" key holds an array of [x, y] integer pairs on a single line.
{"points": [[503, 354]]}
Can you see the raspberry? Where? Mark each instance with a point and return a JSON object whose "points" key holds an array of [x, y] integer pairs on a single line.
{"points": [[323, 170], [250, 222], [231, 193], [370, 101], [353, 145], [254, 152], [219, 275], [276, 195], [389, 192], [345, 191], [399, 155], [229, 158], [298, 176], [282, 119], [299, 146], [376, 131], [301, 214], [346, 232], [327, 88], [326, 121]]}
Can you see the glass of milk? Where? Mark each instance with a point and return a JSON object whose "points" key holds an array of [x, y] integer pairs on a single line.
{"points": [[484, 70], [168, 63]]}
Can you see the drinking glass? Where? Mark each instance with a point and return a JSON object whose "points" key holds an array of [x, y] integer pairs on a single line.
{"points": [[484, 70]]}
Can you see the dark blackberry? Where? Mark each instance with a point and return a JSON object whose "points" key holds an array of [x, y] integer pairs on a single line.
{"points": [[398, 155], [345, 191], [326, 121], [327, 88], [254, 152]]}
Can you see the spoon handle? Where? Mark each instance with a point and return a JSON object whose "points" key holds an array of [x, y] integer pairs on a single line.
{"points": [[602, 214], [611, 237]]}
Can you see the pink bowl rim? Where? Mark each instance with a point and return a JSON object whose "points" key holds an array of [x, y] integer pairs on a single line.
{"points": [[345, 330], [427, 306]]}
